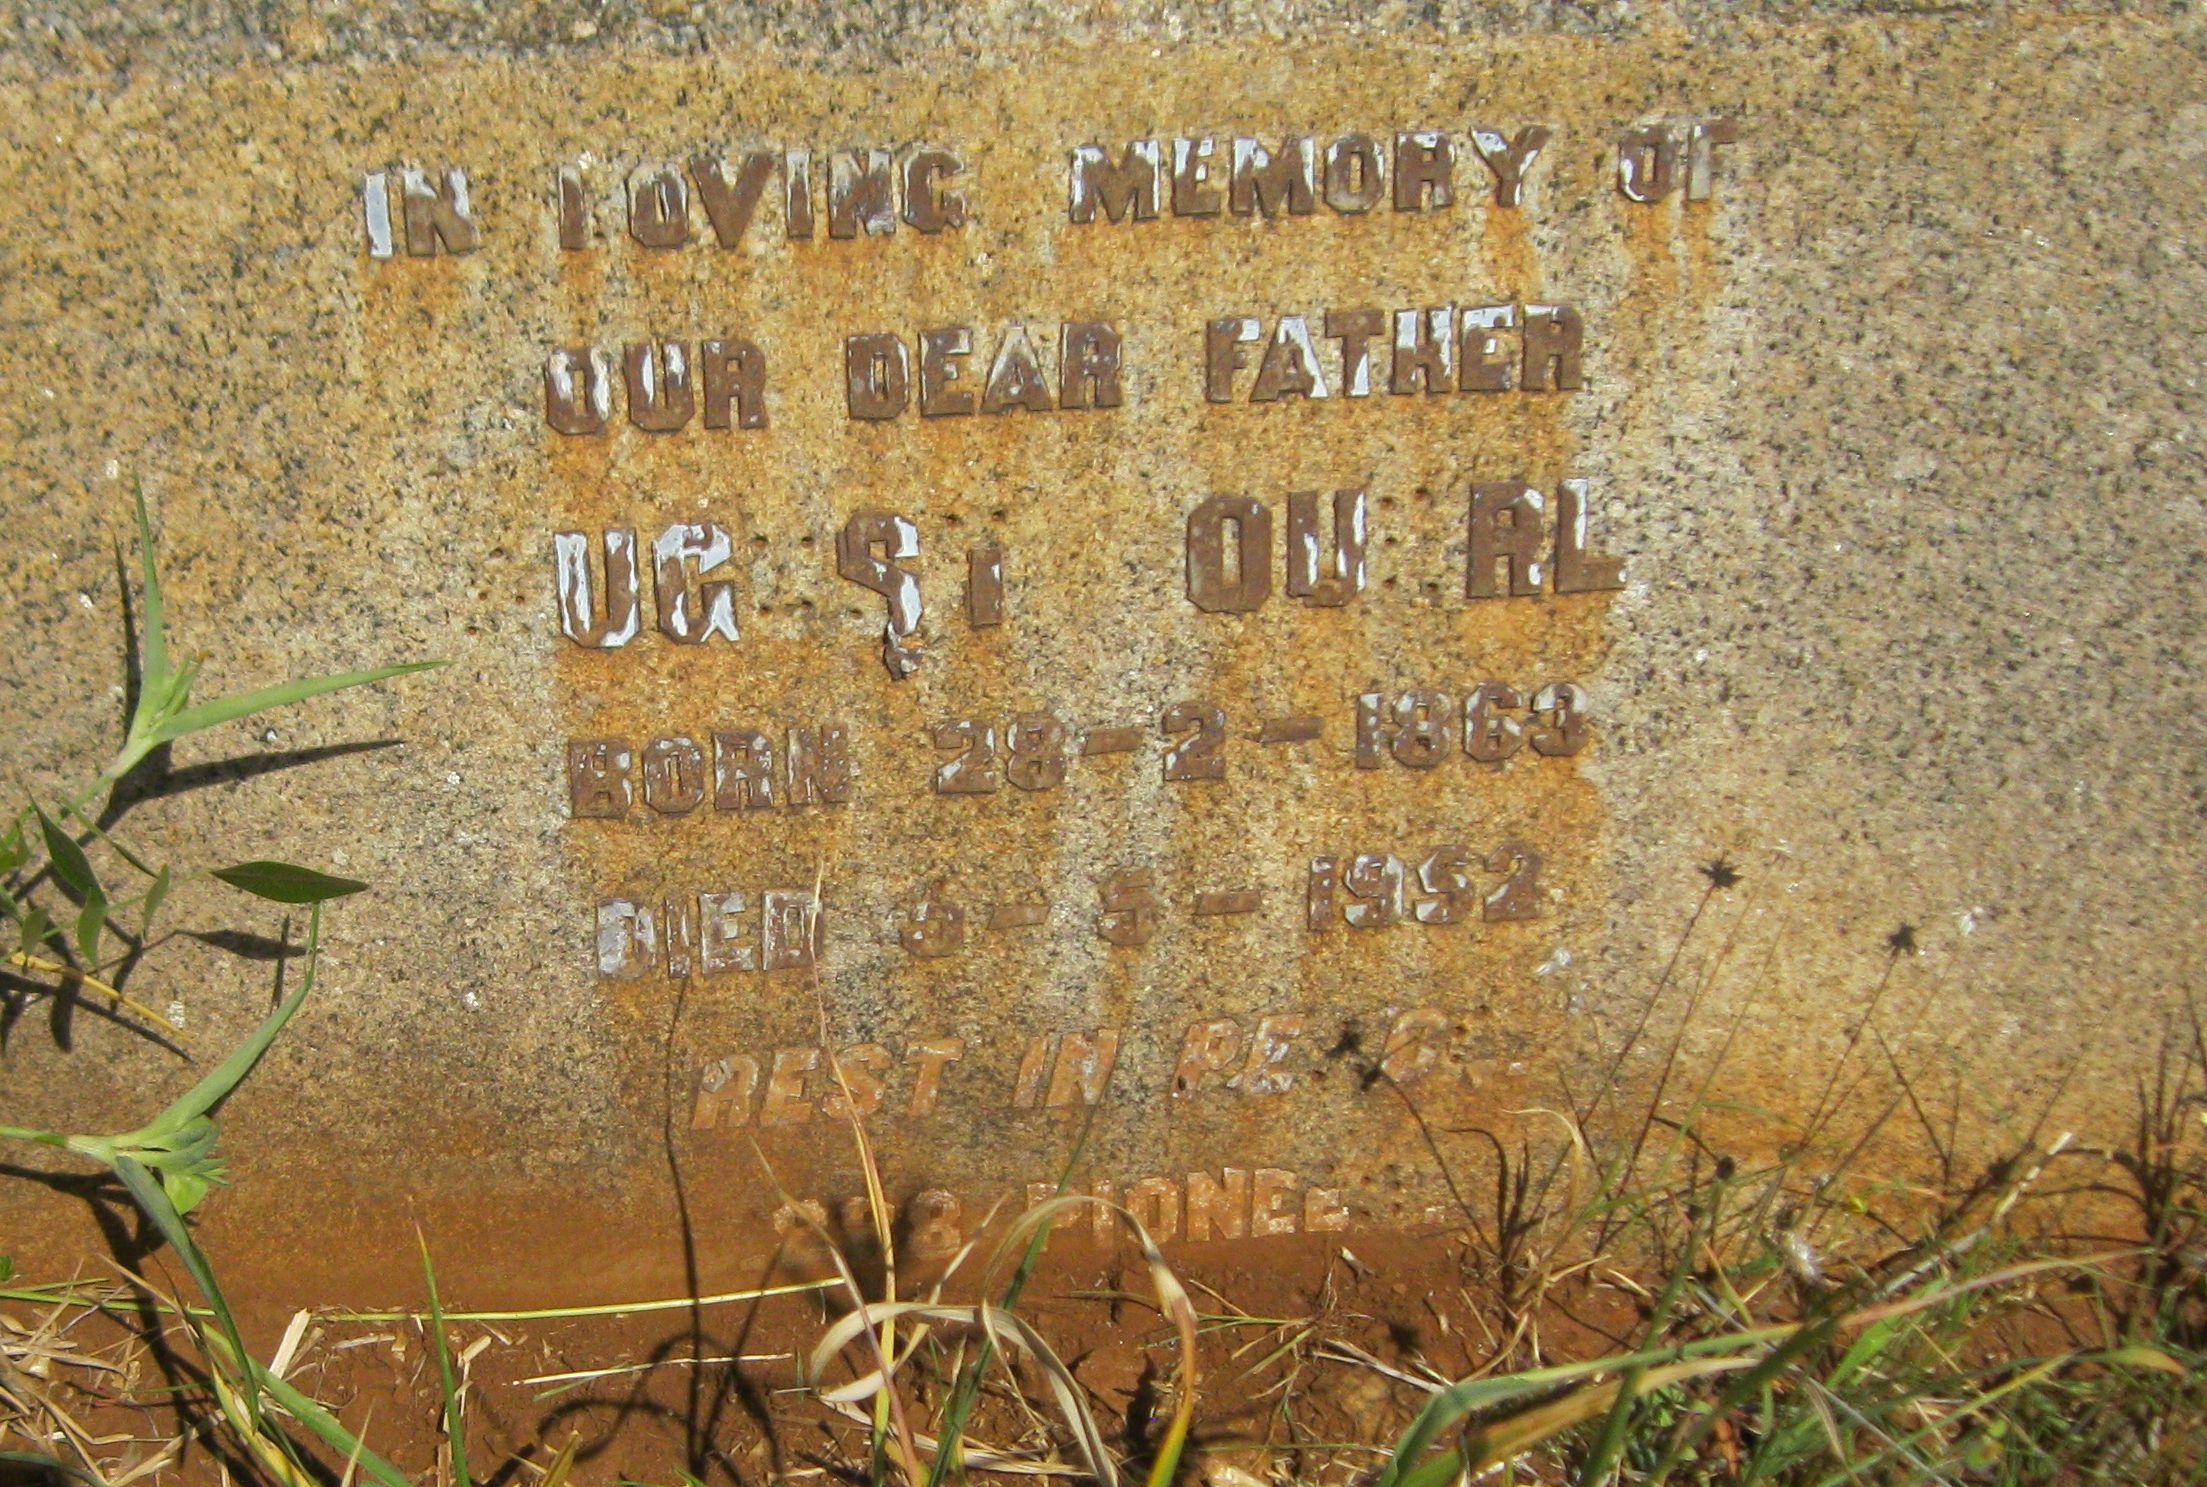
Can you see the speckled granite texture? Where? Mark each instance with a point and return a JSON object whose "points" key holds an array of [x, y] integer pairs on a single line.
{"points": [[1897, 435]]}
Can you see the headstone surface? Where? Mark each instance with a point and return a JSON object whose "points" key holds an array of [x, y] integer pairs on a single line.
{"points": [[1169, 586]]}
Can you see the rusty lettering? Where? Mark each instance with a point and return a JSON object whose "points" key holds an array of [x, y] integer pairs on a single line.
{"points": [[1127, 190], [928, 206], [1320, 896], [1290, 365], [1424, 346], [1506, 528], [877, 376], [1083, 1068], [1354, 329], [1224, 353], [790, 933], [659, 207], [1579, 571], [942, 390], [674, 775], [628, 939], [438, 213], [1416, 1044], [861, 194], [1425, 164], [1310, 576], [856, 559], [797, 212], [726, 938], [1356, 174], [1211, 586], [731, 202], [818, 765], [1272, 1195], [1509, 159], [573, 209], [598, 782], [1218, 1208], [1088, 364], [1487, 356], [786, 1102], [743, 770], [1201, 754], [581, 619], [687, 617], [1207, 1051], [935, 927], [735, 384], [1701, 156], [929, 1057], [1195, 190], [1015, 378], [985, 584], [1271, 183], [1647, 164], [1129, 916], [660, 397], [725, 1087], [578, 390], [1263, 1073], [1553, 337]]}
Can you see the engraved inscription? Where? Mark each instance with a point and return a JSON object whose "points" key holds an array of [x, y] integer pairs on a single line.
{"points": [[883, 571], [1649, 159], [1414, 170], [434, 213], [1265, 1202], [1061, 1069], [1507, 539], [794, 1085], [862, 192], [663, 384], [955, 381], [1247, 680], [746, 772], [1419, 729], [708, 934], [1428, 350], [1374, 890]]}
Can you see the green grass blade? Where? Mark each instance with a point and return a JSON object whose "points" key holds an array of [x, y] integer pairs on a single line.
{"points": [[155, 896], [245, 704], [39, 1462], [326, 1427], [1445, 1409], [966, 1392], [1469, 1396], [225, 1076], [152, 1198], [91, 919], [454, 1432], [70, 864], [285, 883], [1609, 1442], [1859, 1470], [13, 852], [34, 926], [32, 1133], [1741, 1389], [153, 639], [1866, 1349]]}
